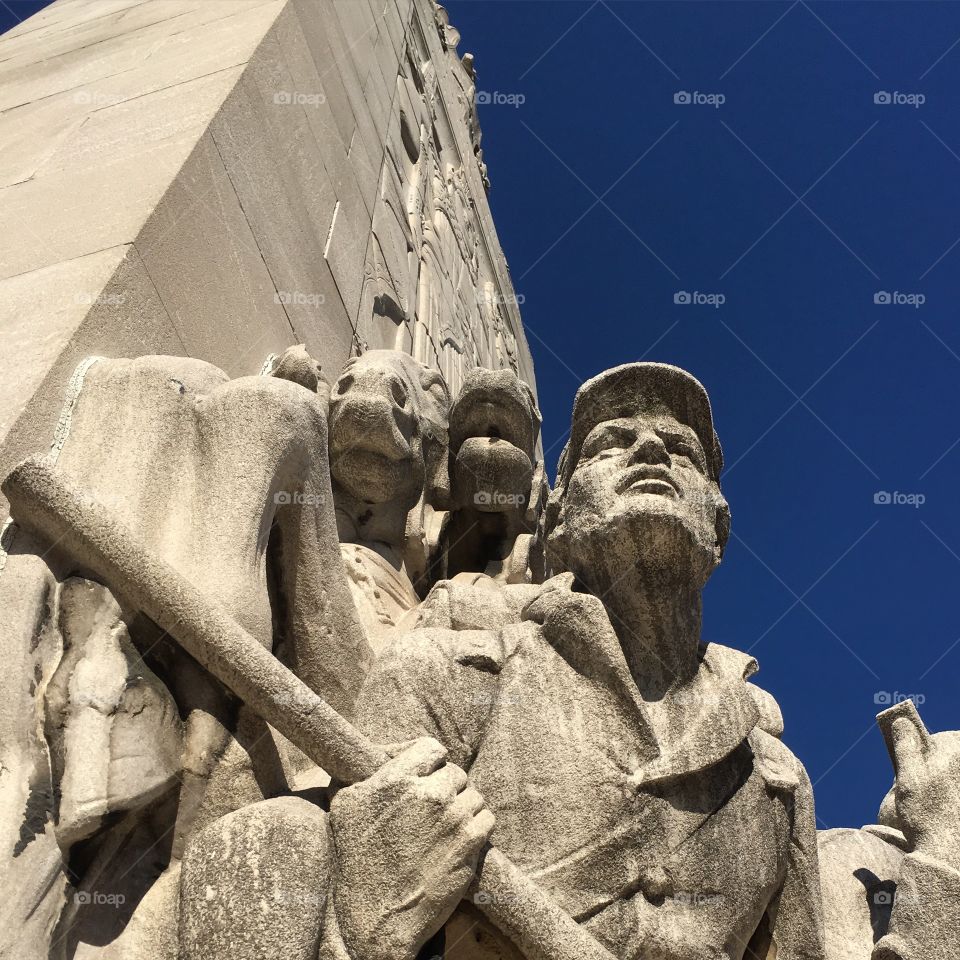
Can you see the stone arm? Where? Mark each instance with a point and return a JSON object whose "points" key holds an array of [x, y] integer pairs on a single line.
{"points": [[794, 919], [434, 682]]}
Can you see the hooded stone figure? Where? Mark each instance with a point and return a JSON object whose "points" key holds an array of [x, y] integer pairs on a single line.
{"points": [[497, 484], [635, 773], [388, 465]]}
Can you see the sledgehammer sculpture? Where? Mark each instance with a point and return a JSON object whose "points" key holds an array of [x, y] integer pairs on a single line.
{"points": [[47, 504]]}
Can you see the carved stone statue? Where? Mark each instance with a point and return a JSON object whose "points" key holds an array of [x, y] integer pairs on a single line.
{"points": [[635, 773], [388, 462], [117, 745], [630, 770], [497, 487]]}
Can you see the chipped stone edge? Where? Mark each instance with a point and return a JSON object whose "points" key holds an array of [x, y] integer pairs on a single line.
{"points": [[8, 532], [267, 369]]}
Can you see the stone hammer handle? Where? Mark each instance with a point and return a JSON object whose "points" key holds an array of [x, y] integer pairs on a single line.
{"points": [[86, 532]]}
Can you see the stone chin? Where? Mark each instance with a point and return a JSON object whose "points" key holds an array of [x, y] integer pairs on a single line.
{"points": [[655, 531], [372, 477], [491, 475], [371, 456]]}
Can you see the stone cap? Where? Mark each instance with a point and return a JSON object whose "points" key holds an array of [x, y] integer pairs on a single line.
{"points": [[634, 388]]}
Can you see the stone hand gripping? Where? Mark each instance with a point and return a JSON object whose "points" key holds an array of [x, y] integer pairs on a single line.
{"points": [[85, 531]]}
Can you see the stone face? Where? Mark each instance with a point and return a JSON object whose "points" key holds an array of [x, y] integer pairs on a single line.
{"points": [[497, 487], [632, 773]]}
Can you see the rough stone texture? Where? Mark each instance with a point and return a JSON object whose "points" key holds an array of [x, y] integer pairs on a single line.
{"points": [[632, 772], [891, 890], [388, 460], [214, 178], [158, 440], [114, 731], [858, 873], [640, 797], [497, 485]]}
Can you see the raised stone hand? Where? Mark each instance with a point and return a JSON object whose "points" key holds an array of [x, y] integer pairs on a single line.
{"points": [[407, 841], [927, 769]]}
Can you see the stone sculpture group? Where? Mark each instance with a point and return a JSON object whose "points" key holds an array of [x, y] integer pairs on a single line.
{"points": [[535, 752]]}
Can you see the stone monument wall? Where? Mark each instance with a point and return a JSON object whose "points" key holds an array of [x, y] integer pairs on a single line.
{"points": [[220, 179]]}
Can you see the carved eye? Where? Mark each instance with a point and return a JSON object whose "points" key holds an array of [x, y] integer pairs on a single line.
{"points": [[606, 442], [399, 392], [344, 383], [682, 446]]}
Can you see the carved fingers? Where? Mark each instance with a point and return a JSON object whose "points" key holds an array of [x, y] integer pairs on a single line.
{"points": [[407, 841]]}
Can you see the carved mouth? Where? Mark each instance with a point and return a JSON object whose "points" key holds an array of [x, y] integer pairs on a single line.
{"points": [[649, 478], [492, 413]]}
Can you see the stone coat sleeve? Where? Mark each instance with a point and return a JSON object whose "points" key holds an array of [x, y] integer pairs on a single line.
{"points": [[795, 917], [925, 923], [433, 683]]}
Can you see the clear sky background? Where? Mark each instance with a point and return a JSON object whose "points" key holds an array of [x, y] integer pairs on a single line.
{"points": [[798, 199]]}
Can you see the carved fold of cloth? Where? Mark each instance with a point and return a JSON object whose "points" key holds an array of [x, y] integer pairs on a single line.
{"points": [[695, 842]]}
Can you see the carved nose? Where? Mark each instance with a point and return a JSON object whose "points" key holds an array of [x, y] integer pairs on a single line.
{"points": [[649, 448], [375, 383]]}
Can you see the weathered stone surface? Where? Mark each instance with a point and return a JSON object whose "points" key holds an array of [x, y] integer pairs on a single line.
{"points": [[158, 440], [302, 181], [238, 147], [627, 763], [497, 487], [890, 889], [388, 461], [113, 727]]}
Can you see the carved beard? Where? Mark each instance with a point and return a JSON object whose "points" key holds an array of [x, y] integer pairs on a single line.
{"points": [[668, 547]]}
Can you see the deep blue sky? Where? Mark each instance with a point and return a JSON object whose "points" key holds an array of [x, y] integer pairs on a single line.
{"points": [[797, 200]]}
